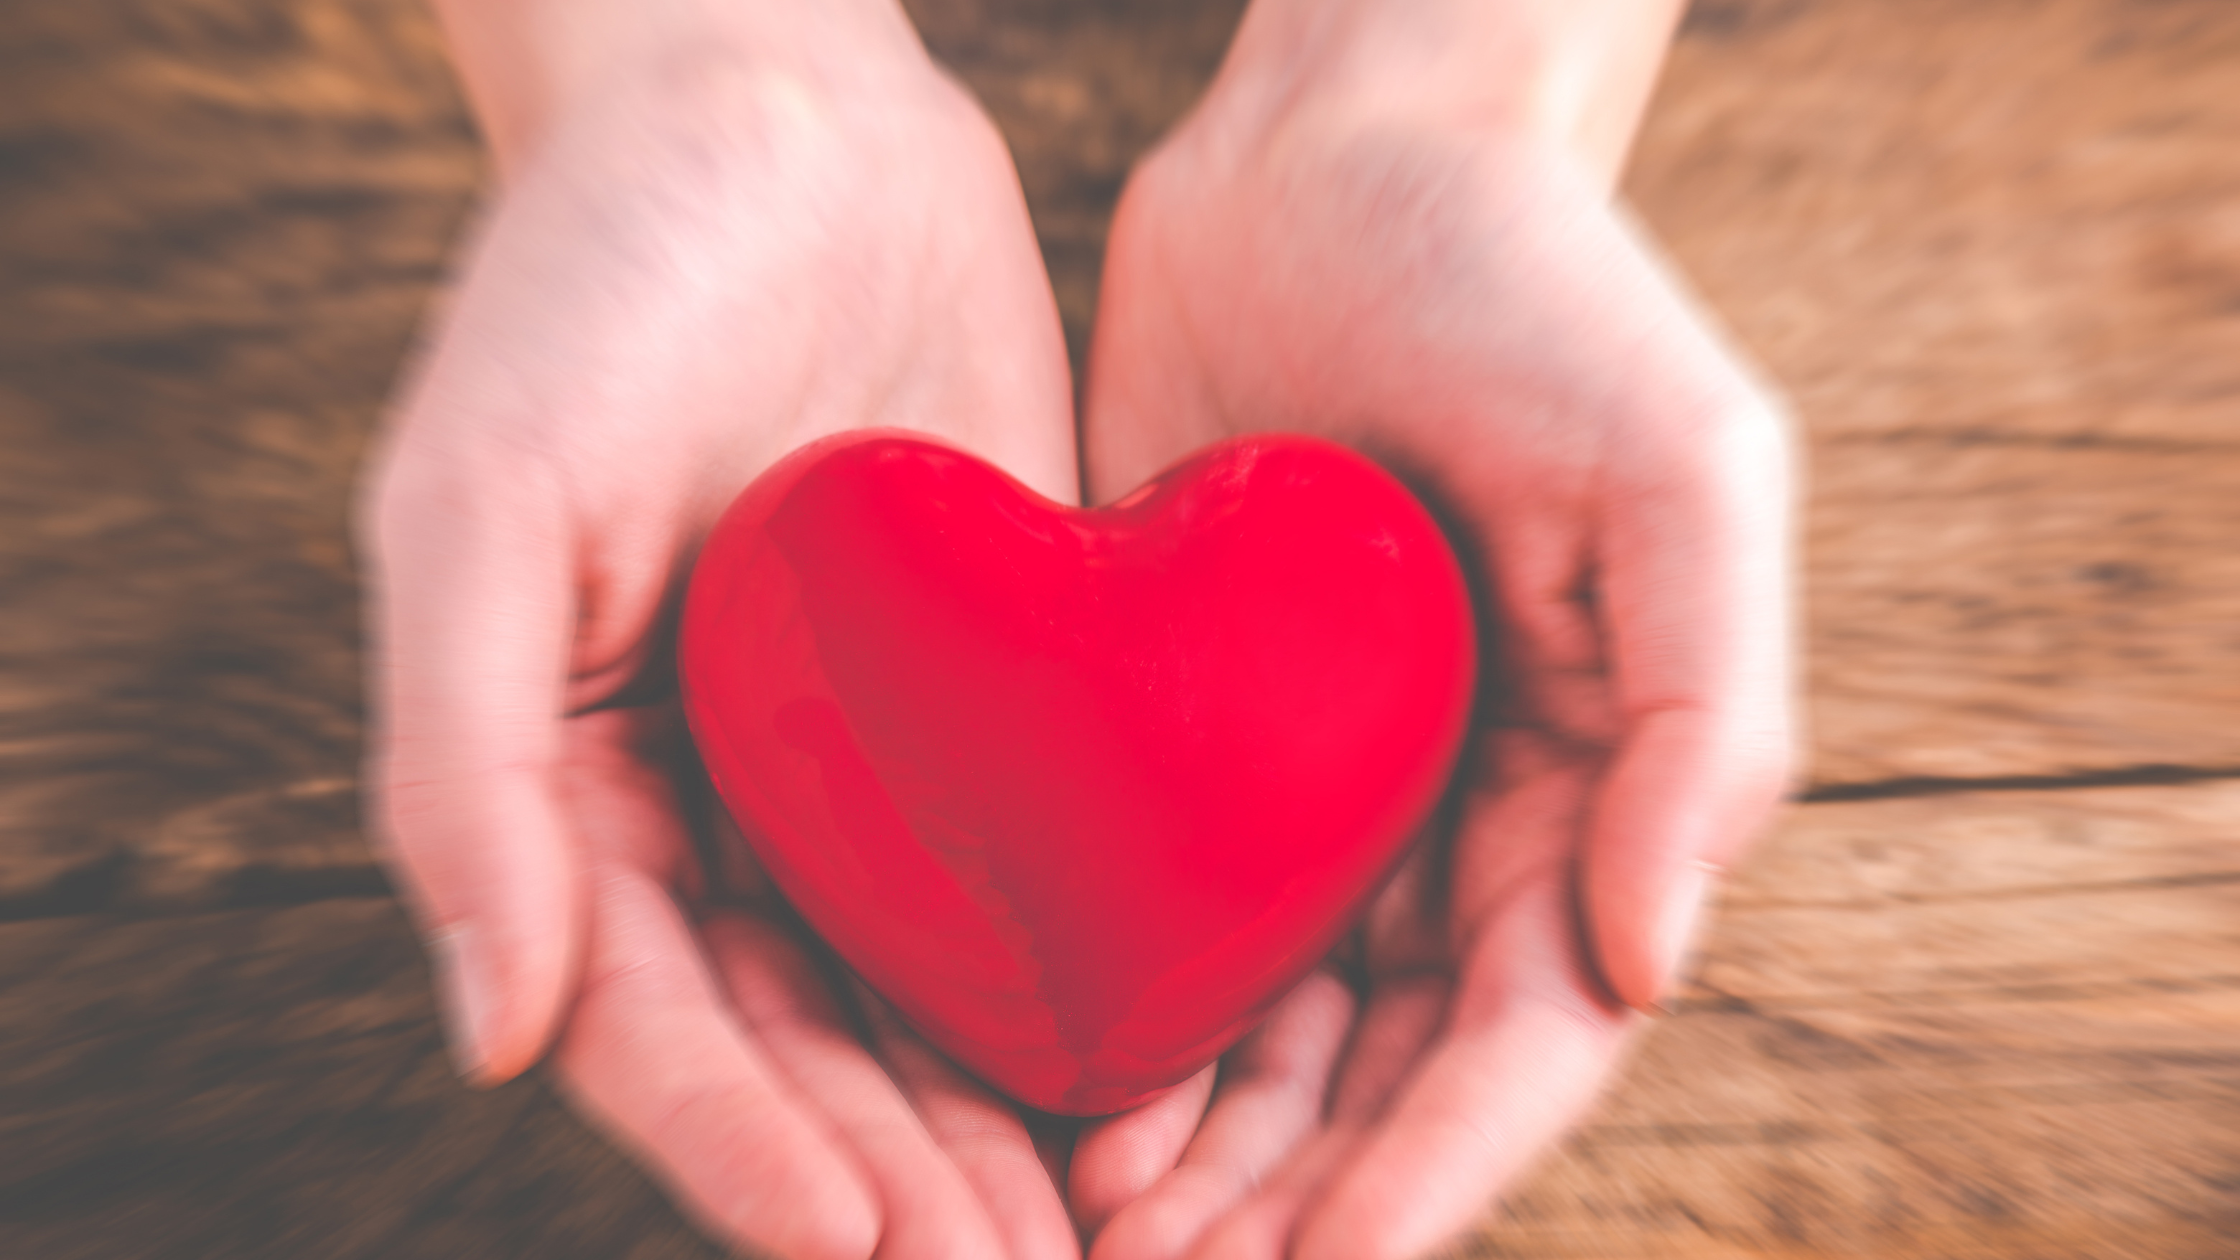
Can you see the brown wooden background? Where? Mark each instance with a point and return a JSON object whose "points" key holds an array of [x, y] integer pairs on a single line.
{"points": [[1978, 998]]}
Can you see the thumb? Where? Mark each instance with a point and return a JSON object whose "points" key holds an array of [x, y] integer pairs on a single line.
{"points": [[470, 623], [1695, 590]]}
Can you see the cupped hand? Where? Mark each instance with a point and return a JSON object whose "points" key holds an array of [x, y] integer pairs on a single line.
{"points": [[692, 270], [1462, 302]]}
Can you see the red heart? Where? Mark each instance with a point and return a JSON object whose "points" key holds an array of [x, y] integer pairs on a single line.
{"points": [[1082, 793]]}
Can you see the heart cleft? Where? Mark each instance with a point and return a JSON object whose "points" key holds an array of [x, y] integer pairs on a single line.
{"points": [[1082, 793]]}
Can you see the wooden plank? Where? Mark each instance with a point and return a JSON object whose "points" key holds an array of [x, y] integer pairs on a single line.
{"points": [[2016, 216], [1989, 1025], [271, 1084], [220, 223], [1992, 251], [1988, 609]]}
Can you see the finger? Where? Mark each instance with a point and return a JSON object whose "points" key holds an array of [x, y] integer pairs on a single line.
{"points": [[1520, 1056], [1267, 1105], [1117, 1159], [928, 1208], [652, 1055], [1260, 1227], [1696, 603], [1402, 1017], [470, 616], [983, 1136]]}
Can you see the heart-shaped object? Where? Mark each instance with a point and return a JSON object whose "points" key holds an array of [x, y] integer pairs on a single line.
{"points": [[1082, 793]]}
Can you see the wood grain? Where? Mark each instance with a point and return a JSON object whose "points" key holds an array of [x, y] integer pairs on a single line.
{"points": [[1992, 608], [1992, 252], [2015, 216], [219, 221], [270, 1085], [1995, 1025]]}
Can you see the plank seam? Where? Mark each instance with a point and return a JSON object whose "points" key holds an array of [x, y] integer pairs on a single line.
{"points": [[2153, 774]]}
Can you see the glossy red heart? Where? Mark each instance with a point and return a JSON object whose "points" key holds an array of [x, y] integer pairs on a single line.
{"points": [[1082, 793]]}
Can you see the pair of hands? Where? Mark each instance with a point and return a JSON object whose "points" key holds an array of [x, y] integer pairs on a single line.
{"points": [[700, 270]]}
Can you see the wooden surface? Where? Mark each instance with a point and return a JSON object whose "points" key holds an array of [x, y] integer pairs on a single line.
{"points": [[219, 221], [1979, 999], [1992, 252], [1982, 1025], [271, 1083]]}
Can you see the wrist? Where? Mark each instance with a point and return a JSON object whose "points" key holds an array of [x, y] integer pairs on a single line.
{"points": [[1573, 75], [525, 63]]}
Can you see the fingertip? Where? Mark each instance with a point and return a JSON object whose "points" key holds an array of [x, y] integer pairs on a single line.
{"points": [[465, 994], [1005, 1161], [807, 1207], [1262, 1115], [500, 994], [1521, 1059], [834, 1220], [1642, 935], [506, 959], [499, 1004], [523, 999], [1684, 798], [1650, 965], [1343, 1237], [1380, 1210], [1118, 1159], [1257, 1230], [1161, 1226]]}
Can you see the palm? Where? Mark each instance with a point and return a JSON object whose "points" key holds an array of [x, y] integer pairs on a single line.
{"points": [[680, 288], [1476, 317]]}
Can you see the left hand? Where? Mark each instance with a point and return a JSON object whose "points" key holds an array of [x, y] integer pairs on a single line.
{"points": [[1457, 298], [739, 229]]}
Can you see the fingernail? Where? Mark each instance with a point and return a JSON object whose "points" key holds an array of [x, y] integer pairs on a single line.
{"points": [[463, 986], [1676, 926]]}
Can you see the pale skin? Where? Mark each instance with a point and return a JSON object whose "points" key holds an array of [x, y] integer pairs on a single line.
{"points": [[725, 230]]}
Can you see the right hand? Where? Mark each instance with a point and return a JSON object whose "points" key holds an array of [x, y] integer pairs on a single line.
{"points": [[1389, 224], [698, 266]]}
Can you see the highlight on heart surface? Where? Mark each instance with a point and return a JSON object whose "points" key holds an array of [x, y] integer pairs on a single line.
{"points": [[1082, 793]]}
